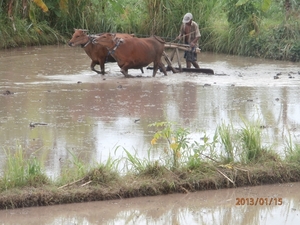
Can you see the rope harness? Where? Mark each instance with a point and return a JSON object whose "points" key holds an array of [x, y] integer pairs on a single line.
{"points": [[119, 40], [89, 41]]}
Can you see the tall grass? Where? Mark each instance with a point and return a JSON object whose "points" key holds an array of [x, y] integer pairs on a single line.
{"points": [[27, 34], [134, 163], [227, 139], [247, 29], [250, 136], [76, 171], [144, 167], [21, 170], [73, 170], [292, 150]]}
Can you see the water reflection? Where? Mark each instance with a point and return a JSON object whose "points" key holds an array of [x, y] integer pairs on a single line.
{"points": [[91, 114], [203, 207]]}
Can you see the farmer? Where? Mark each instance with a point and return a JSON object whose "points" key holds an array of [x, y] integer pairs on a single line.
{"points": [[190, 31]]}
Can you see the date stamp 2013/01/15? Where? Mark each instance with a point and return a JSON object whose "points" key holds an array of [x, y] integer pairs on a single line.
{"points": [[258, 201]]}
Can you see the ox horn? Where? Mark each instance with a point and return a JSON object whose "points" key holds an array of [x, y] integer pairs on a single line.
{"points": [[83, 30]]}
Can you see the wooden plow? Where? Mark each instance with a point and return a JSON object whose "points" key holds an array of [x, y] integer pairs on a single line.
{"points": [[176, 47]]}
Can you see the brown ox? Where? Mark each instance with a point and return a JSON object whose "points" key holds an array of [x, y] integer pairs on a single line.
{"points": [[98, 53], [134, 53]]}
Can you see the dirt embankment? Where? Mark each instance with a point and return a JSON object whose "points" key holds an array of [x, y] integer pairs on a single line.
{"points": [[210, 177]]}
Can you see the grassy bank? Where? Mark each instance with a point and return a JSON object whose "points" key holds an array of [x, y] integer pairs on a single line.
{"points": [[231, 158]]}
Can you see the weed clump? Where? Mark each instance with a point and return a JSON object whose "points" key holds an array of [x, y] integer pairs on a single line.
{"points": [[102, 176]]}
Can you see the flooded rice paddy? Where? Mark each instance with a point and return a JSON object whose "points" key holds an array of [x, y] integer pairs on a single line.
{"points": [[53, 105]]}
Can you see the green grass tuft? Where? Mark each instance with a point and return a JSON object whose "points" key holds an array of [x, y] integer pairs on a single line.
{"points": [[22, 171]]}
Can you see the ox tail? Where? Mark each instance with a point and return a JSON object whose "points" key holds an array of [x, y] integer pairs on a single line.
{"points": [[159, 39]]}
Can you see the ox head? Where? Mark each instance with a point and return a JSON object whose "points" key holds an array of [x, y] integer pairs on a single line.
{"points": [[105, 39], [108, 40], [80, 37]]}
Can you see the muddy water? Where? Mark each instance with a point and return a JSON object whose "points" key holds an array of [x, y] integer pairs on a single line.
{"points": [[205, 207], [91, 115]]}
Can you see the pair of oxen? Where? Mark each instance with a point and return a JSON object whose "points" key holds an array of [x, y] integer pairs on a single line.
{"points": [[127, 50]]}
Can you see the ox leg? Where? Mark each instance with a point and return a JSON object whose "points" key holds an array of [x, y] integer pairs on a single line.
{"points": [[125, 72], [93, 64], [163, 68], [155, 68], [102, 67]]}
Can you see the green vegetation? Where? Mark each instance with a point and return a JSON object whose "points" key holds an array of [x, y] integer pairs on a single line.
{"points": [[231, 158], [22, 171], [260, 28], [292, 150]]}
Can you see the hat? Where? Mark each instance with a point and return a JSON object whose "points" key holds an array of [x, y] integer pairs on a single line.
{"points": [[187, 17]]}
